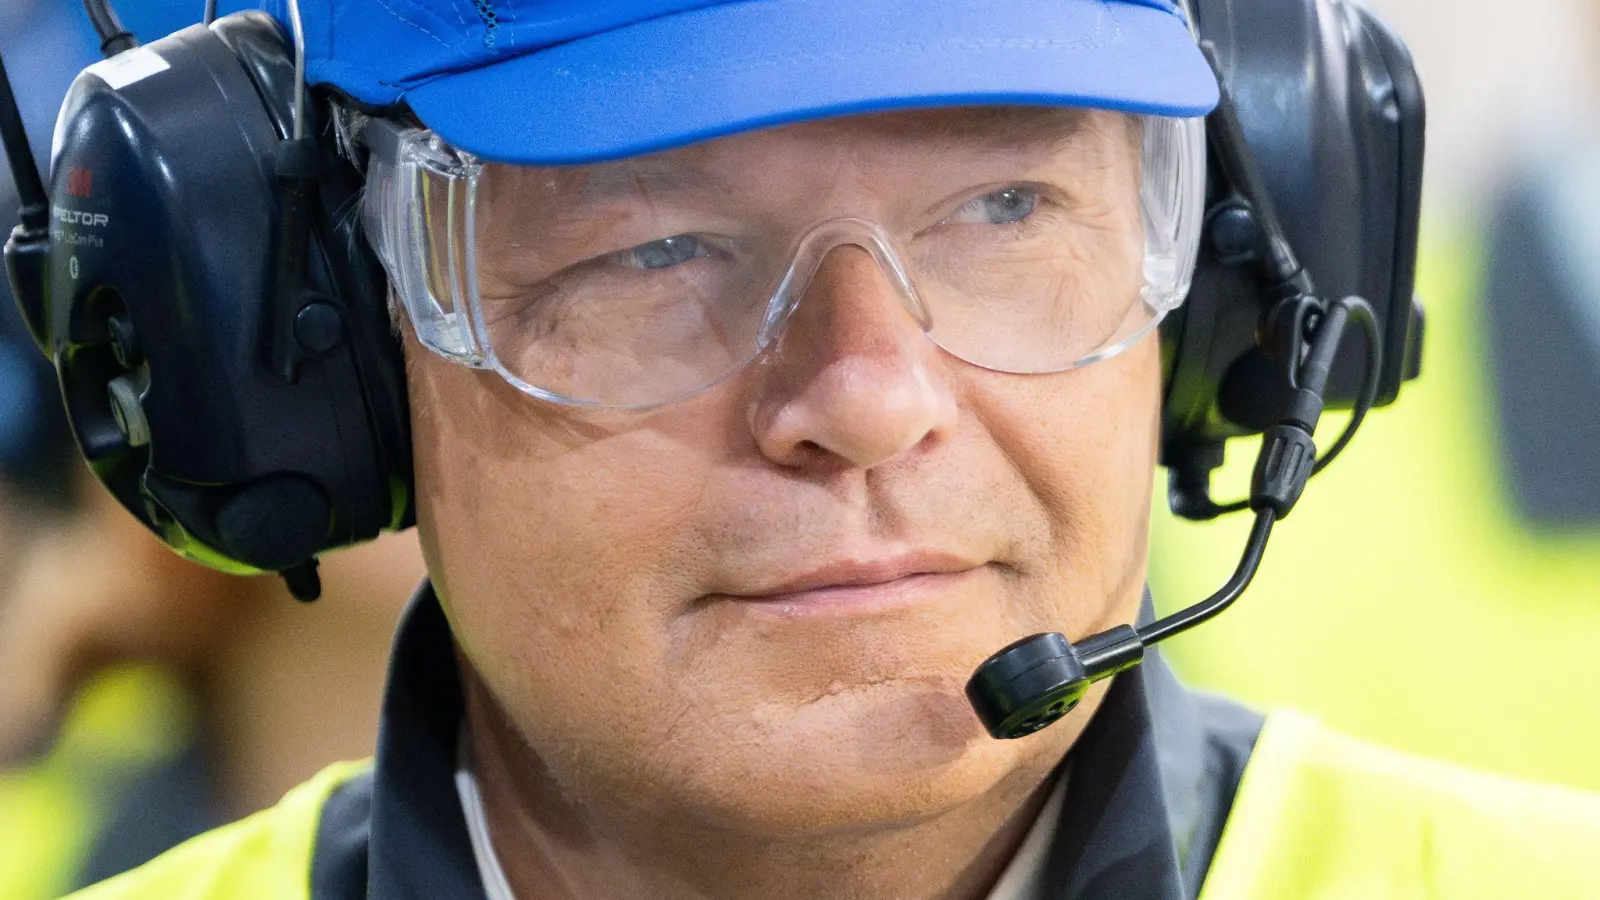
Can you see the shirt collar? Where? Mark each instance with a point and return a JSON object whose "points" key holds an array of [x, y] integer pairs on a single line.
{"points": [[1111, 835], [1024, 876]]}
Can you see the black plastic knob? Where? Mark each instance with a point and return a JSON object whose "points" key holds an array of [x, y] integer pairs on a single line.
{"points": [[124, 343]]}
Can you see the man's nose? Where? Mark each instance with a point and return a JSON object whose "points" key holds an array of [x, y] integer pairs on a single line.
{"points": [[853, 380]]}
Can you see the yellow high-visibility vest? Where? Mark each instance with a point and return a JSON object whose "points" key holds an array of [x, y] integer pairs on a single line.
{"points": [[1323, 816], [266, 856], [1318, 816], [126, 721]]}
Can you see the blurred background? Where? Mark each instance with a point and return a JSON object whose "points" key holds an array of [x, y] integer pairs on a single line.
{"points": [[1438, 589]]}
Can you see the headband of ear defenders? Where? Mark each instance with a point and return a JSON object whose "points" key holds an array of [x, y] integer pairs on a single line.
{"points": [[220, 331]]}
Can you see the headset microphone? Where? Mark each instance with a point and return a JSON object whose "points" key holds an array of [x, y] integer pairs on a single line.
{"points": [[1035, 681]]}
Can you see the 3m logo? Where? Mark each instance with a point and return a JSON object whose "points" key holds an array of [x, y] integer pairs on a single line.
{"points": [[80, 182]]}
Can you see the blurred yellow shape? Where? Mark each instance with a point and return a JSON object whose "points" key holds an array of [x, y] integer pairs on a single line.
{"points": [[127, 719]]}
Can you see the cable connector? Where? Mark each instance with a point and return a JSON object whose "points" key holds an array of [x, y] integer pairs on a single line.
{"points": [[114, 39], [1288, 455]]}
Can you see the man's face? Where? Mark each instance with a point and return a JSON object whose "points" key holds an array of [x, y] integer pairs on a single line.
{"points": [[760, 604]]}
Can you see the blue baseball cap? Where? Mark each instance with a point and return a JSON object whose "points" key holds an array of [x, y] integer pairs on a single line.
{"points": [[553, 82]]}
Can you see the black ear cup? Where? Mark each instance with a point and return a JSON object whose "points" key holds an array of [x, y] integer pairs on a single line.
{"points": [[166, 202], [1332, 109]]}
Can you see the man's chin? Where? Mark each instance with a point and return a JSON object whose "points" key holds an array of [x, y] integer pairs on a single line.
{"points": [[866, 758]]}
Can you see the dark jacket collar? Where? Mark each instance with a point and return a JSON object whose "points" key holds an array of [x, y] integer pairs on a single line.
{"points": [[1152, 779], [420, 847]]}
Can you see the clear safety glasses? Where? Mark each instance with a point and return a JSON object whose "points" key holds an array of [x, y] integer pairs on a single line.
{"points": [[1024, 241]]}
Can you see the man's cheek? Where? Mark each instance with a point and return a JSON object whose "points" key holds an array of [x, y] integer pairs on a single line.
{"points": [[616, 498]]}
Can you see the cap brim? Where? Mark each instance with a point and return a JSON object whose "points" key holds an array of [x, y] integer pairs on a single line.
{"points": [[720, 70]]}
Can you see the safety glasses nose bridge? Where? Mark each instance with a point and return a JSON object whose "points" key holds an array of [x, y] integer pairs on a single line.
{"points": [[813, 249]]}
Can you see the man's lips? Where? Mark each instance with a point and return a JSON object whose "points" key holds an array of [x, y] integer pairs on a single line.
{"points": [[862, 585]]}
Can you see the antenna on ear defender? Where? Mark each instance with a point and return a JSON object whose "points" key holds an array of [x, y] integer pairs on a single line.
{"points": [[1030, 684], [29, 242]]}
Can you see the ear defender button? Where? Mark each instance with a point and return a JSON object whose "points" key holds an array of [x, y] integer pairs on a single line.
{"points": [[319, 327], [124, 343], [1234, 234]]}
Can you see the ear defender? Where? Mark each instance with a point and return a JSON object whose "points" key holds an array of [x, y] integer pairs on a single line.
{"points": [[220, 330], [1339, 163], [218, 323]]}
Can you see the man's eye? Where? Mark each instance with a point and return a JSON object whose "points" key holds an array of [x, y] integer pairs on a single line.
{"points": [[999, 208], [666, 253]]}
